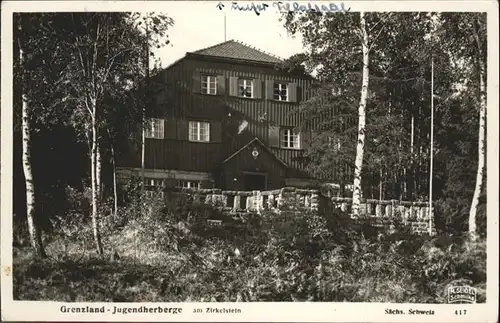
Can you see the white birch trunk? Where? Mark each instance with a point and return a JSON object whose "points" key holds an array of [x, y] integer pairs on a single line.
{"points": [[98, 172], [481, 155], [93, 177], [143, 152], [412, 167], [357, 191], [34, 230]]}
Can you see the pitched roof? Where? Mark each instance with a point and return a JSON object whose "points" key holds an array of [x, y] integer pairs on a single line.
{"points": [[261, 144], [237, 50]]}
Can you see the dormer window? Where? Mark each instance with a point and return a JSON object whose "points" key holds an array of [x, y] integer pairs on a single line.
{"points": [[245, 88], [209, 84], [281, 91]]}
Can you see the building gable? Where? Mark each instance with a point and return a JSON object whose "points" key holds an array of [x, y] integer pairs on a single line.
{"points": [[254, 146]]}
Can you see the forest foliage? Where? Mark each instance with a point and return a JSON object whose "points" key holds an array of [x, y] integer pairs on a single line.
{"points": [[146, 242], [403, 48]]}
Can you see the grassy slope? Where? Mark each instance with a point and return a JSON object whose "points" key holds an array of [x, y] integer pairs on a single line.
{"points": [[211, 272]]}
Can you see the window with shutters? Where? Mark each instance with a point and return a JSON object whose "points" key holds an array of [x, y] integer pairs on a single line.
{"points": [[280, 91], [199, 131], [290, 139], [245, 88], [155, 129], [189, 184], [209, 84]]}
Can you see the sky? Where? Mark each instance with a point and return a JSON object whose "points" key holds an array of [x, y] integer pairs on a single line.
{"points": [[200, 24]]}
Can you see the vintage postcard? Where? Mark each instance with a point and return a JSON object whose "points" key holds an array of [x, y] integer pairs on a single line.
{"points": [[286, 161]]}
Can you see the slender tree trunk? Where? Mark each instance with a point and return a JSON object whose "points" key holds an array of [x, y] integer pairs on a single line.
{"points": [[372, 187], [33, 228], [381, 185], [115, 190], [412, 172], [481, 153], [95, 210], [357, 191], [143, 150], [144, 121], [99, 172]]}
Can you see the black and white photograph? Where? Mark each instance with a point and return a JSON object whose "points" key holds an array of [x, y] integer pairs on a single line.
{"points": [[177, 160]]}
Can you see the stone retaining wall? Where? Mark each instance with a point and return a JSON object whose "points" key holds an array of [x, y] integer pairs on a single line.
{"points": [[377, 213]]}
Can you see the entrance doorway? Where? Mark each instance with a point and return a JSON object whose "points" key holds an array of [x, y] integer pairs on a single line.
{"points": [[255, 181]]}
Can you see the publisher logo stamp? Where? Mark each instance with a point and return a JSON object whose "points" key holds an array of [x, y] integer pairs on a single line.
{"points": [[461, 295]]}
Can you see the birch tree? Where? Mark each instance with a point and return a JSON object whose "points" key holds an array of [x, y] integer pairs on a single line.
{"points": [[479, 34], [360, 146], [26, 115], [107, 51], [338, 48], [465, 35], [37, 79]]}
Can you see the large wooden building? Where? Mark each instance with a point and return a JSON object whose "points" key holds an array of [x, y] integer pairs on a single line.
{"points": [[227, 120]]}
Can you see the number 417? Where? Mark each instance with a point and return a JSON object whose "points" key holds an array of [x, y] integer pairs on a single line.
{"points": [[460, 312]]}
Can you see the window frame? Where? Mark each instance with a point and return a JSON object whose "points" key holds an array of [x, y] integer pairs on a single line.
{"points": [[206, 78], [287, 136], [198, 137], [190, 184], [278, 97], [151, 132], [245, 85]]}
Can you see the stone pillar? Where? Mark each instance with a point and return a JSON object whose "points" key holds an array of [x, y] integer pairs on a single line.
{"points": [[424, 213], [388, 210], [223, 200], [299, 200], [249, 203], [307, 202], [412, 212], [426, 210], [418, 214], [378, 210], [402, 213], [314, 201], [236, 203], [281, 200], [270, 201], [258, 201], [369, 209], [401, 209], [407, 213]]}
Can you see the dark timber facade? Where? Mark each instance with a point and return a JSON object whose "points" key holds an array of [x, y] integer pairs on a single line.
{"points": [[227, 120]]}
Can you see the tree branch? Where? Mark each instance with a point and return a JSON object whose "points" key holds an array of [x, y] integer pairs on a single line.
{"points": [[379, 33]]}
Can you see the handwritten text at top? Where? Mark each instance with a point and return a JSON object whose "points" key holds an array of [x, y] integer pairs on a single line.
{"points": [[287, 6]]}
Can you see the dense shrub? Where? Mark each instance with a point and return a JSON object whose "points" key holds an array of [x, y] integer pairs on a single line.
{"points": [[168, 251]]}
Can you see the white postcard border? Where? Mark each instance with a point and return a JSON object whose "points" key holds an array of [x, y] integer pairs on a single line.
{"points": [[264, 311]]}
